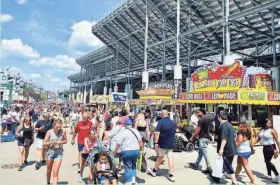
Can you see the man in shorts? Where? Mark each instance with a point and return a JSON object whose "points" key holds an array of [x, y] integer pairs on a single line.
{"points": [[82, 129], [164, 144], [42, 127]]}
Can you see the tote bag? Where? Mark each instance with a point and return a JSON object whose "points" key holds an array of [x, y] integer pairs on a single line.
{"points": [[218, 168]]}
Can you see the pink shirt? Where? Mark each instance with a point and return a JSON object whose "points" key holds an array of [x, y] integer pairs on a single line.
{"points": [[123, 119], [91, 145]]}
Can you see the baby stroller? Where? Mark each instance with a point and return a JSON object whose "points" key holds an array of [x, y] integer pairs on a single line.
{"points": [[9, 131], [93, 159], [182, 139]]}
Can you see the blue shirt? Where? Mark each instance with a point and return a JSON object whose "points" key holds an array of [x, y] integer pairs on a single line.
{"points": [[167, 129], [35, 117]]}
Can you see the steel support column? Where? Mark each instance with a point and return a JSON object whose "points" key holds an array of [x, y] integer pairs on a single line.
{"points": [[227, 27], [164, 52], [273, 37], [117, 58], [129, 59]]}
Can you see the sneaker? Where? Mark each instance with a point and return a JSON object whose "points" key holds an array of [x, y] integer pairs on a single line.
{"points": [[43, 163], [80, 179], [37, 166], [25, 162], [207, 171], [20, 168], [193, 166], [227, 176], [266, 177], [151, 172], [276, 179], [171, 178]]}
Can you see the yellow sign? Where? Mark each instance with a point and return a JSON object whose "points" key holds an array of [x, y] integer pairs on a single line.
{"points": [[217, 85]]}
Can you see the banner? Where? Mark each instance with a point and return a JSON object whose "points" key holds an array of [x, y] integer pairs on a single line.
{"points": [[263, 81], [218, 77], [119, 97], [221, 95], [192, 96], [162, 85], [252, 95]]}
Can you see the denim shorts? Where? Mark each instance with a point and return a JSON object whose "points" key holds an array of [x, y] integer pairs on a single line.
{"points": [[80, 147], [245, 155], [85, 156], [102, 179], [53, 156]]}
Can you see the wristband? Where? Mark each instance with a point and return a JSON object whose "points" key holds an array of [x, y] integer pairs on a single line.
{"points": [[156, 143]]}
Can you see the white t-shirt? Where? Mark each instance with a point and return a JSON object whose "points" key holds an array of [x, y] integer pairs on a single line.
{"points": [[15, 116], [74, 116], [128, 141], [115, 120], [194, 120]]}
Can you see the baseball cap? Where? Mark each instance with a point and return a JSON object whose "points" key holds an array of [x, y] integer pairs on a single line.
{"points": [[128, 122]]}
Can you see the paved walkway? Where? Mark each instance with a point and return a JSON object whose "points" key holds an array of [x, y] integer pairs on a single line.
{"points": [[69, 175]]}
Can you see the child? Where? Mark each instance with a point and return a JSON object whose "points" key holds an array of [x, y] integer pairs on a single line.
{"points": [[102, 164], [105, 137], [89, 144]]}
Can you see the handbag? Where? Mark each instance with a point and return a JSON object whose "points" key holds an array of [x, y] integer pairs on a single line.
{"points": [[27, 142]]}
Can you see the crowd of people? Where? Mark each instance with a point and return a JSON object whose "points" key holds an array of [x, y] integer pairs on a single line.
{"points": [[126, 135]]}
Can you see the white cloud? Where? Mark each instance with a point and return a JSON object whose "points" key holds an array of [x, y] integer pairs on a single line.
{"points": [[6, 18], [15, 70], [35, 75], [55, 79], [15, 47], [21, 2], [82, 36], [60, 61]]}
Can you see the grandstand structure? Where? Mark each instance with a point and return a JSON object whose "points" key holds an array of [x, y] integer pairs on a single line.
{"points": [[206, 32]]}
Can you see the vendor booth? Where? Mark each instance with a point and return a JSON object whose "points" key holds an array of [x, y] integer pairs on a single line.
{"points": [[244, 96]]}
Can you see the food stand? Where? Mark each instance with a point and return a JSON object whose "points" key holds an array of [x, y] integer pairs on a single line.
{"points": [[238, 91], [155, 99]]}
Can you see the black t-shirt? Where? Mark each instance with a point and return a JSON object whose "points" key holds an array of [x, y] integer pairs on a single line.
{"points": [[167, 129], [205, 124], [47, 124], [226, 132]]}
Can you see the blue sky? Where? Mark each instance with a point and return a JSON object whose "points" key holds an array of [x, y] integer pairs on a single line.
{"points": [[42, 38]]}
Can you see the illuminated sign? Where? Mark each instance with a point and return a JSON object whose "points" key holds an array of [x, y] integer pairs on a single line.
{"points": [[192, 96], [252, 95], [218, 78], [273, 96], [221, 96]]}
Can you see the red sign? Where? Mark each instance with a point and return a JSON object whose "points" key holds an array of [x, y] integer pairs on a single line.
{"points": [[192, 96], [217, 72], [263, 81], [221, 96], [273, 96]]}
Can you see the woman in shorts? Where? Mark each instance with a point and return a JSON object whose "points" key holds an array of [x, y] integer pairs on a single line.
{"points": [[54, 141], [25, 133], [244, 150]]}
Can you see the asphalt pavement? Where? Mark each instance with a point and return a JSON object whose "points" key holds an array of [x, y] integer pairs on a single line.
{"points": [[68, 171]]}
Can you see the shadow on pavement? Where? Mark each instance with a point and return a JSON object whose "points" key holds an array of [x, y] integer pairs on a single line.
{"points": [[63, 182], [260, 175]]}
